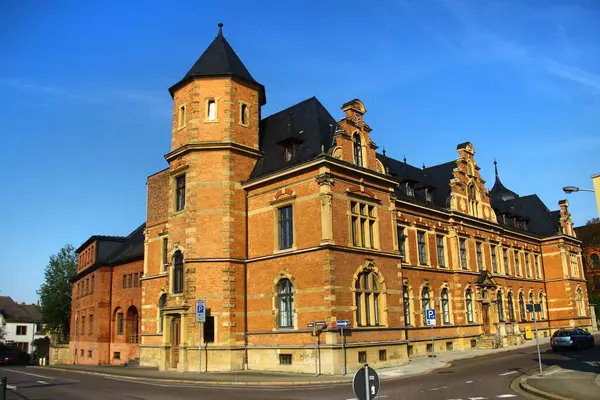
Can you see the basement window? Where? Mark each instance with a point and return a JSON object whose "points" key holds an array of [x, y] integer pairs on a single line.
{"points": [[362, 357], [117, 355], [429, 347], [449, 346], [382, 355], [285, 359]]}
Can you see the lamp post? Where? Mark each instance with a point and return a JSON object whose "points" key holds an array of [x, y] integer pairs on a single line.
{"points": [[596, 190]]}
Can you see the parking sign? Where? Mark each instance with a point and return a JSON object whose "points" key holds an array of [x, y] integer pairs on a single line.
{"points": [[430, 317], [200, 310]]}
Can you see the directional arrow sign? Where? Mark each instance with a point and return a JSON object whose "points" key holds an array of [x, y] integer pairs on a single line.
{"points": [[321, 323], [342, 323], [310, 325]]}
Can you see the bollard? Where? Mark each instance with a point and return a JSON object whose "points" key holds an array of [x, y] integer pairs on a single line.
{"points": [[3, 389]]}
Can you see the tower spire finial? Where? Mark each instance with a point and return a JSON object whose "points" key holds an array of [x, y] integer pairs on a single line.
{"points": [[220, 24], [496, 168]]}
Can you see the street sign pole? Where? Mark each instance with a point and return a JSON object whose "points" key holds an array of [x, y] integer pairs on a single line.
{"points": [[343, 352], [432, 342], [537, 342], [315, 343], [367, 391], [200, 318], [199, 348]]}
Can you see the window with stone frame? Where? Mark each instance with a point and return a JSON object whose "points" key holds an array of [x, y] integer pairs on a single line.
{"points": [[165, 254], [511, 307], [244, 114], [541, 300], [406, 304], [425, 303], [92, 285], [500, 306], [580, 303], [469, 306], [180, 192], [522, 313], [124, 281], [494, 259], [178, 272], [357, 146], [181, 117], [527, 269], [422, 247], [401, 231], [536, 261], [285, 304], [285, 225], [120, 324], [472, 198], [595, 260], [363, 220], [368, 302], [91, 324], [440, 251], [211, 110], [479, 256], [517, 264], [505, 262], [463, 253], [162, 303], [445, 307]]}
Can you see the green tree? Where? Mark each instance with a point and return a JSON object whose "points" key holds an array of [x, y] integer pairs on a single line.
{"points": [[2, 332], [55, 292], [593, 221]]}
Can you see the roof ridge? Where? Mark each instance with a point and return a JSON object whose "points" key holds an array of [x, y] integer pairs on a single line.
{"points": [[292, 106]]}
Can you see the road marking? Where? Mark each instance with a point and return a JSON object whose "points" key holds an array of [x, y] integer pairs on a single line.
{"points": [[477, 398], [469, 382], [27, 373], [42, 382], [439, 388], [134, 381], [504, 396], [508, 373], [11, 387]]}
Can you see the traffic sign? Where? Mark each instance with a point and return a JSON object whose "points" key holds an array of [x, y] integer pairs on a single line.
{"points": [[430, 317], [200, 310], [342, 323], [311, 325], [365, 383], [320, 323]]}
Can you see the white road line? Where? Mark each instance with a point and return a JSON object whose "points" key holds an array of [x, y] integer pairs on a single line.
{"points": [[27, 373], [469, 382], [505, 396], [11, 387], [508, 373], [134, 381], [439, 388], [42, 382], [477, 398]]}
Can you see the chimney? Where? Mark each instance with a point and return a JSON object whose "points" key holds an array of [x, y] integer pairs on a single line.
{"points": [[566, 224]]}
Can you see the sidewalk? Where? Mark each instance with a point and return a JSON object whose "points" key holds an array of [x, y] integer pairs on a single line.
{"points": [[561, 384], [416, 366]]}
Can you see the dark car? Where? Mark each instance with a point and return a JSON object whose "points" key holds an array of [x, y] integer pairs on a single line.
{"points": [[571, 339], [14, 357]]}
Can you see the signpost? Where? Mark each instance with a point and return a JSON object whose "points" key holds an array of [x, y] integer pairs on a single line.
{"points": [[430, 320], [315, 333], [365, 383], [533, 309], [342, 324], [200, 318]]}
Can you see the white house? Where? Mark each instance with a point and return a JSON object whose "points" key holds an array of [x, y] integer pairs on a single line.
{"points": [[22, 323]]}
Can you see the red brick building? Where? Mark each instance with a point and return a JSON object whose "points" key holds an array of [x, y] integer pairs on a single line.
{"points": [[282, 221], [590, 237]]}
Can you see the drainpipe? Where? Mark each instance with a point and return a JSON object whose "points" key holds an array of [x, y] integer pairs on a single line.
{"points": [[246, 291]]}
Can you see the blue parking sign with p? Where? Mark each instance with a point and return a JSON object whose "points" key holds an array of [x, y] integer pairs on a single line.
{"points": [[430, 317], [200, 310]]}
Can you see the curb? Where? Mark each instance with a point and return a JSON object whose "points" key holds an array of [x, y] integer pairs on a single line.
{"points": [[538, 392]]}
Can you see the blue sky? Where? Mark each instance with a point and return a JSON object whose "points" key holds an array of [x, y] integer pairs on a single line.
{"points": [[85, 111]]}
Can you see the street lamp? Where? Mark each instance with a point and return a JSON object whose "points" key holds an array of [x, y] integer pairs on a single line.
{"points": [[573, 189], [596, 181]]}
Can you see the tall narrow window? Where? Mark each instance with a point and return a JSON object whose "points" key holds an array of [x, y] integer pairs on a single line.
{"points": [[536, 260], [288, 152], [425, 303], [580, 303], [162, 303], [471, 195], [120, 323], [178, 272], [469, 305], [517, 265], [500, 305], [406, 304], [511, 307], [595, 260], [165, 255], [445, 307], [440, 251], [422, 248], [285, 304], [527, 270], [92, 288], [91, 324], [505, 262], [479, 256], [212, 110], [124, 281], [542, 316], [531, 301], [244, 115], [494, 260], [83, 325], [180, 192], [136, 280], [367, 293], [357, 150], [181, 117], [402, 241], [463, 253], [87, 286], [286, 227], [363, 220], [130, 281], [522, 306]]}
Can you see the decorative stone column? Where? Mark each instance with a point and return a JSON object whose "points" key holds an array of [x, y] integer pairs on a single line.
{"points": [[325, 181]]}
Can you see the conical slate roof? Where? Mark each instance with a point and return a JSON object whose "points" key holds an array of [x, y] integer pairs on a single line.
{"points": [[219, 59], [499, 191]]}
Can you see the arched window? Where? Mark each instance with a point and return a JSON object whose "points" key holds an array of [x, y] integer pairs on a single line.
{"points": [[162, 302], [595, 261], [580, 304], [469, 305], [542, 316], [511, 307], [532, 301], [425, 303], [522, 306], [472, 197], [367, 293], [178, 272], [357, 150], [445, 307], [285, 304], [406, 303], [499, 303]]}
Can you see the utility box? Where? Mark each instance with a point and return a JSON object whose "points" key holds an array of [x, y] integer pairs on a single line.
{"points": [[528, 333]]}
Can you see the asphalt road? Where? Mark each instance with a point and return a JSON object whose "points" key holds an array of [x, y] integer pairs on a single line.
{"points": [[480, 378]]}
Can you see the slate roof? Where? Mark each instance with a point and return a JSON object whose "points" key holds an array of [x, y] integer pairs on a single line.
{"points": [[15, 312], [99, 237], [499, 190], [219, 59]]}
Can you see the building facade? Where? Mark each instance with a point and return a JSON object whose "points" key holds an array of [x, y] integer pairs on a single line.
{"points": [[22, 324], [284, 221], [590, 237]]}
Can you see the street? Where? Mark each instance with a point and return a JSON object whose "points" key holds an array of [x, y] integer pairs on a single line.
{"points": [[481, 378]]}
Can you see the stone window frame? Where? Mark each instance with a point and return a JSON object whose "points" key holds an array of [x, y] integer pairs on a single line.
{"points": [[176, 192], [358, 293], [479, 255], [469, 309], [426, 287], [542, 300], [91, 324], [368, 218], [528, 272], [449, 314], [537, 266], [404, 253], [422, 252], [181, 116], [500, 306], [361, 147], [160, 312], [275, 301], [441, 238], [465, 266], [241, 105], [521, 303], [175, 289], [510, 302], [207, 101], [164, 254], [407, 299], [279, 295], [494, 257], [277, 204], [517, 260], [506, 260]]}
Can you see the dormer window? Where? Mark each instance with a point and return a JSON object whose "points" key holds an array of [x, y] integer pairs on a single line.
{"points": [[428, 196], [288, 152], [357, 150], [409, 190]]}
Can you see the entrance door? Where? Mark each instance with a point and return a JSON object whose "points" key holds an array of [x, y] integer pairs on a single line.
{"points": [[175, 336], [485, 315]]}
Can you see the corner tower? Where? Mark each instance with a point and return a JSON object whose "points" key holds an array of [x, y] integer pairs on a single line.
{"points": [[216, 115]]}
